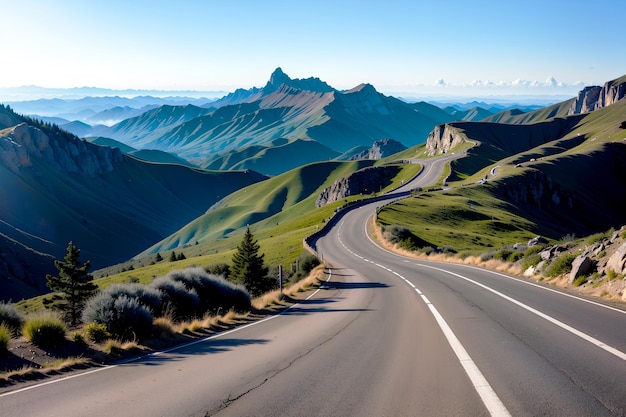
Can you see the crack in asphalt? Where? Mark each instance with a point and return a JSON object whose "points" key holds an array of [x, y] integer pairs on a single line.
{"points": [[231, 399]]}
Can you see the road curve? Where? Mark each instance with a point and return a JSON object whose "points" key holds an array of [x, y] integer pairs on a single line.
{"points": [[370, 342]]}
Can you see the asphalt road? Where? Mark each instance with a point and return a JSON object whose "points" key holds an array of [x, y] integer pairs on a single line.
{"points": [[385, 336]]}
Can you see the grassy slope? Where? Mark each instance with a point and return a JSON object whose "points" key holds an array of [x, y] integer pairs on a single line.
{"points": [[275, 159], [585, 162], [280, 234]]}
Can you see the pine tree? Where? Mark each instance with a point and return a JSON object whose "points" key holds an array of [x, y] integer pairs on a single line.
{"points": [[74, 282], [248, 268]]}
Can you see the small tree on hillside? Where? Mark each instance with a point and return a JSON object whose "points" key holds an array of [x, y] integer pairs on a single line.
{"points": [[248, 268], [74, 282]]}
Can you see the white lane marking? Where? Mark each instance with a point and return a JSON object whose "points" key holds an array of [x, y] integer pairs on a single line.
{"points": [[490, 399], [546, 288], [552, 320], [172, 349]]}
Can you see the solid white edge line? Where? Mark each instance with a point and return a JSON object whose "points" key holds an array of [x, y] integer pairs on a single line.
{"points": [[172, 349], [552, 320], [490, 399]]}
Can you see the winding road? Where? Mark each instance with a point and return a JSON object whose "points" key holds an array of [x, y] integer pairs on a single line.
{"points": [[384, 336]]}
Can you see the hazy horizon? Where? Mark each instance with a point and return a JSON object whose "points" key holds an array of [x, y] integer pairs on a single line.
{"points": [[403, 48]]}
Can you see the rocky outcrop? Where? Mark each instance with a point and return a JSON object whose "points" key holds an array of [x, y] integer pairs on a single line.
{"points": [[364, 181], [380, 149], [442, 139], [23, 143], [617, 261], [594, 98], [580, 266]]}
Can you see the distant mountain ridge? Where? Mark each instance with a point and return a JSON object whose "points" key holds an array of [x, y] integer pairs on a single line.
{"points": [[292, 109]]}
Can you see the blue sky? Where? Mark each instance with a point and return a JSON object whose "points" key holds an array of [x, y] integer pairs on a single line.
{"points": [[418, 47]]}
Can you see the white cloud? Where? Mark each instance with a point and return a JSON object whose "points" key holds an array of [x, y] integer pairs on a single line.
{"points": [[441, 82]]}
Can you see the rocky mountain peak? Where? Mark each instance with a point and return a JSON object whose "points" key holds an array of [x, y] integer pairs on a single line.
{"points": [[279, 78]]}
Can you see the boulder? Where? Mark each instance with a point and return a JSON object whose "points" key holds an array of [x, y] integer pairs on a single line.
{"points": [[617, 261], [537, 240], [580, 266]]}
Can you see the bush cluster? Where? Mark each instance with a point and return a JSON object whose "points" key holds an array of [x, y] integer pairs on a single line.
{"points": [[213, 292], [403, 237], [11, 317], [561, 265], [508, 255], [46, 330], [125, 318], [5, 337], [127, 311], [97, 332]]}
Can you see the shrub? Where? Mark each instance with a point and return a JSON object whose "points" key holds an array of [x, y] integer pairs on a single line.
{"points": [[45, 330], [534, 250], [561, 265], [611, 274], [579, 281], [124, 317], [97, 332], [595, 238], [403, 237], [5, 337], [308, 262], [11, 317], [531, 260], [502, 254], [78, 337], [148, 296], [214, 292], [184, 301]]}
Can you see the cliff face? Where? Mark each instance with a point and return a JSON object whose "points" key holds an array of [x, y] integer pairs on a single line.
{"points": [[367, 180], [22, 143], [594, 98], [537, 189], [442, 139]]}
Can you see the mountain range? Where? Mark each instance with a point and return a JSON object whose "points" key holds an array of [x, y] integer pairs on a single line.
{"points": [[308, 118], [128, 192]]}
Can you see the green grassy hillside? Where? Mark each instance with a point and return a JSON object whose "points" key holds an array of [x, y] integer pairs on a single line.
{"points": [[259, 202], [571, 185], [278, 157]]}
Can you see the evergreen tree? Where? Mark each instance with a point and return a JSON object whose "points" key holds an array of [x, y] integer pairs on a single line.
{"points": [[248, 268], [172, 257], [158, 257], [74, 282]]}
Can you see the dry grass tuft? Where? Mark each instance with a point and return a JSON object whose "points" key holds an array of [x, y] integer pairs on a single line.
{"points": [[163, 327], [115, 346]]}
